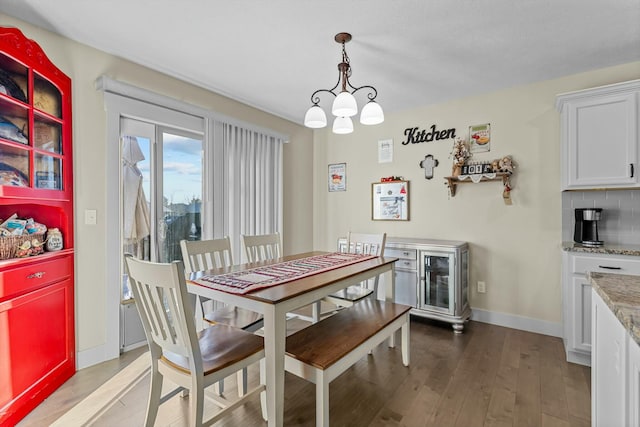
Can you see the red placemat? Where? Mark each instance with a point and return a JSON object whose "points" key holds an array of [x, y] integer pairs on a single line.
{"points": [[245, 281]]}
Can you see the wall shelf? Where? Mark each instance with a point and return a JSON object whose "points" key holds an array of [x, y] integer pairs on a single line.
{"points": [[453, 181]]}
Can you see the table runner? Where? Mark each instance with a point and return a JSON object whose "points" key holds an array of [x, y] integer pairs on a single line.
{"points": [[245, 281]]}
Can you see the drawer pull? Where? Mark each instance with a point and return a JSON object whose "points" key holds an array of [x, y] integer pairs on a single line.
{"points": [[610, 268], [38, 275], [406, 253]]}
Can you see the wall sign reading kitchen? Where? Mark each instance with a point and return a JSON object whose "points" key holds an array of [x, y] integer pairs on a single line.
{"points": [[415, 135]]}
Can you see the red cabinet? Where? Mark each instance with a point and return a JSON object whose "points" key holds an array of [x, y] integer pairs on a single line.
{"points": [[37, 337]]}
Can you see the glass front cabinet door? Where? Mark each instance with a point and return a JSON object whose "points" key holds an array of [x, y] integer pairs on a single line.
{"points": [[444, 284]]}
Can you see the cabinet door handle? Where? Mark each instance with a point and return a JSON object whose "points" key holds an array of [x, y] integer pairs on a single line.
{"points": [[632, 169], [610, 268], [37, 275]]}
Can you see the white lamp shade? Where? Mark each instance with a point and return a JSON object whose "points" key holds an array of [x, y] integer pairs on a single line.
{"points": [[315, 118], [371, 114], [344, 105], [342, 125]]}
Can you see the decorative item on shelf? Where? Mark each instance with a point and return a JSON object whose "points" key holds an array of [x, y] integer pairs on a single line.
{"points": [[344, 104], [506, 193], [54, 240], [392, 178], [499, 169], [10, 131], [505, 164], [428, 164], [20, 238], [8, 86], [460, 154], [476, 168]]}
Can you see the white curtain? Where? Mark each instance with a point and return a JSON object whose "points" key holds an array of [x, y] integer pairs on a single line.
{"points": [[253, 188]]}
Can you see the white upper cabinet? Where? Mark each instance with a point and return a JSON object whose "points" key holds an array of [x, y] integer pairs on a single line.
{"points": [[599, 137]]}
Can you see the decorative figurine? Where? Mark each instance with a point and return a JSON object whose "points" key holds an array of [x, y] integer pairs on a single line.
{"points": [[54, 240]]}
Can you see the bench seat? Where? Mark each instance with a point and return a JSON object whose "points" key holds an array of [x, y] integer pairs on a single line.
{"points": [[324, 350]]}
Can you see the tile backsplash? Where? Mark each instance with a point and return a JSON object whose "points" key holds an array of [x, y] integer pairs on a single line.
{"points": [[620, 223]]}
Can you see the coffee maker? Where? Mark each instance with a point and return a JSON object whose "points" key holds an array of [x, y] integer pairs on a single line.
{"points": [[586, 228]]}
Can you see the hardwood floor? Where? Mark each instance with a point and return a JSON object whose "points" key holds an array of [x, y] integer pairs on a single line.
{"points": [[488, 376]]}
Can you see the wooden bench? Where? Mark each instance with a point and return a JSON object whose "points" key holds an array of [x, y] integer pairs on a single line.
{"points": [[324, 350]]}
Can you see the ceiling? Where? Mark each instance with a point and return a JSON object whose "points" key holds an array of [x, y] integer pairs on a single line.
{"points": [[274, 54]]}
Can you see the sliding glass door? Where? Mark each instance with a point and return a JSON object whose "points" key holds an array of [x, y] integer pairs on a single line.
{"points": [[162, 181]]}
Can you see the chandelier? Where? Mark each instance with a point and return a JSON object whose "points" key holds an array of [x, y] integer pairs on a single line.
{"points": [[344, 105]]}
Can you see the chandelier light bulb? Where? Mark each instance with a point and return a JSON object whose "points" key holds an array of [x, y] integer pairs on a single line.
{"points": [[344, 105], [371, 114], [342, 125], [315, 118]]}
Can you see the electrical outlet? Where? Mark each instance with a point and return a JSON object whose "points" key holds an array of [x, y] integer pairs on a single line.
{"points": [[482, 287]]}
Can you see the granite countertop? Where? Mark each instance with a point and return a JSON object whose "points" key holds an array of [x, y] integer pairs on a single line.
{"points": [[633, 250], [621, 293]]}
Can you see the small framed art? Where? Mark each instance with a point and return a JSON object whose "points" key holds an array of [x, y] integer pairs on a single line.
{"points": [[390, 201], [338, 177], [480, 138]]}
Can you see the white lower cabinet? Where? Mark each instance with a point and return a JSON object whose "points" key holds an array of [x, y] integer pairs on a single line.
{"points": [[633, 386], [576, 297], [615, 370]]}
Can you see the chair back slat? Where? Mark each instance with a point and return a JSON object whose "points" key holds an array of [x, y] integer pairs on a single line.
{"points": [[161, 298], [263, 247], [370, 244], [206, 254]]}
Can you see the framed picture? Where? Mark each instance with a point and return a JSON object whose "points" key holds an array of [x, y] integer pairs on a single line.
{"points": [[338, 177], [390, 201], [480, 138]]}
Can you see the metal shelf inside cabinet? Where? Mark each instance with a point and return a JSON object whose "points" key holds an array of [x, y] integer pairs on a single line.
{"points": [[453, 181]]}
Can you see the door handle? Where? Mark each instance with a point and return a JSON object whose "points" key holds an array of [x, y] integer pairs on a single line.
{"points": [[632, 169]]}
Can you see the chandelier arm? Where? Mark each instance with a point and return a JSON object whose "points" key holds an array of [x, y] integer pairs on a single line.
{"points": [[316, 100], [370, 95]]}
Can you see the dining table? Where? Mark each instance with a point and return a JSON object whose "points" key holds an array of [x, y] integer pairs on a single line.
{"points": [[274, 302]]}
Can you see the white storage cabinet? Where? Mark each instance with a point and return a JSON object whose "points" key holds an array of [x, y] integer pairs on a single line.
{"points": [[599, 137], [432, 276], [576, 297], [615, 370]]}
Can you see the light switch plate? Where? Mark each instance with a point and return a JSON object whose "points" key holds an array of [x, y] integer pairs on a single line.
{"points": [[90, 217]]}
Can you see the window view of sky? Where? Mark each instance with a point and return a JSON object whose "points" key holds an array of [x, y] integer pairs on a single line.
{"points": [[182, 168]]}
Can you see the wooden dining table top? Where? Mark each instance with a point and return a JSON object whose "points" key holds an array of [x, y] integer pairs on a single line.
{"points": [[281, 292]]}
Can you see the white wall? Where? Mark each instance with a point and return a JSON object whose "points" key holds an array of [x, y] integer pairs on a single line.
{"points": [[514, 249], [84, 65]]}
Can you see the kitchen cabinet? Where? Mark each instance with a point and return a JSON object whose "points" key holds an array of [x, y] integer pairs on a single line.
{"points": [[432, 276], [615, 370], [576, 297], [599, 137], [608, 361], [633, 383], [37, 335]]}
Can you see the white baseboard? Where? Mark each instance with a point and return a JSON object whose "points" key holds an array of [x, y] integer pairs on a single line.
{"points": [[517, 322], [93, 356]]}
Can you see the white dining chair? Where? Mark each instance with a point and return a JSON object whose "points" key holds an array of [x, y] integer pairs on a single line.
{"points": [[266, 247], [359, 243], [202, 255], [262, 247], [192, 361]]}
